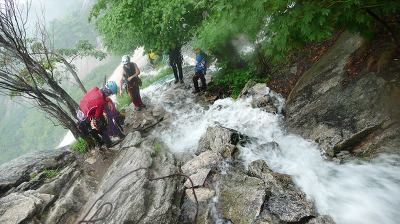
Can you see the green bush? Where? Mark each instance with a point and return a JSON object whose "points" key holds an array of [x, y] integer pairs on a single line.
{"points": [[236, 79], [79, 146], [158, 148], [51, 173], [124, 100]]}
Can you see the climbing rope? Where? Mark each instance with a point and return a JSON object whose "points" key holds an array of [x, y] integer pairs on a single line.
{"points": [[151, 178]]}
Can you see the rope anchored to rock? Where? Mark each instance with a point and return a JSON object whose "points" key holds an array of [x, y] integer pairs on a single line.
{"points": [[151, 178]]}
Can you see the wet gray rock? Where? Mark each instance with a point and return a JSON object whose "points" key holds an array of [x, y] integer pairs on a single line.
{"points": [[18, 171], [223, 140], [241, 197], [284, 200], [135, 198], [198, 178], [202, 194], [19, 207], [71, 188], [324, 219], [203, 145], [262, 97], [208, 159], [361, 117]]}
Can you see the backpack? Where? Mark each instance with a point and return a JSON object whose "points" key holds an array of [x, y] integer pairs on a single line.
{"points": [[83, 127]]}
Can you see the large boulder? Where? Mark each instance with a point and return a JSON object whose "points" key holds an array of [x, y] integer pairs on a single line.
{"points": [[20, 207], [361, 117], [127, 186], [284, 201], [18, 174], [241, 197]]}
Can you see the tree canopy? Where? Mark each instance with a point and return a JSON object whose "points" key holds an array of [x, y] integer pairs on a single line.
{"points": [[156, 24], [280, 25]]}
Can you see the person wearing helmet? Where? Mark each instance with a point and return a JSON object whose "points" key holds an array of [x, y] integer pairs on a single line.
{"points": [[175, 61], [130, 74], [94, 103]]}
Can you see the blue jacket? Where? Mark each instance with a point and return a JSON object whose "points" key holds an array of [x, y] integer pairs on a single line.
{"points": [[201, 61]]}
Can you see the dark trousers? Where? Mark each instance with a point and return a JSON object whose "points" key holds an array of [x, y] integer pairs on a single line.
{"points": [[135, 95], [174, 68], [199, 75]]}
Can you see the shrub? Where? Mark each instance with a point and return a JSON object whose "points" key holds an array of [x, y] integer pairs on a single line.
{"points": [[79, 146], [51, 173], [237, 78]]}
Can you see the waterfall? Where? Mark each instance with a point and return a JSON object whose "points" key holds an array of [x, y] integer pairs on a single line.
{"points": [[350, 192]]}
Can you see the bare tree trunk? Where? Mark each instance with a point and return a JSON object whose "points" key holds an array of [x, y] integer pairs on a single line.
{"points": [[70, 69]]}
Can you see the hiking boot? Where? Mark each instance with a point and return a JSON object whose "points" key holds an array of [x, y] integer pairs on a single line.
{"points": [[142, 106], [138, 108], [196, 91], [181, 81], [176, 81]]}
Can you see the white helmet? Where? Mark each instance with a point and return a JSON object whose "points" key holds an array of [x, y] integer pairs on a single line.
{"points": [[125, 59]]}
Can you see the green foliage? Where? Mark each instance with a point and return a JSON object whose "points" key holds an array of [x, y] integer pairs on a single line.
{"points": [[125, 100], [79, 146], [281, 25], [236, 79], [51, 173], [157, 24], [33, 175], [82, 48], [158, 147]]}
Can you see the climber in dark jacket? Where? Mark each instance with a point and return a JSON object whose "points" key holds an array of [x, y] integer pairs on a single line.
{"points": [[175, 61], [130, 75]]}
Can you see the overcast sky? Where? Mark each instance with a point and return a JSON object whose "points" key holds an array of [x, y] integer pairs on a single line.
{"points": [[53, 8]]}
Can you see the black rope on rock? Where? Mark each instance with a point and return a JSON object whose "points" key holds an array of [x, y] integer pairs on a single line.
{"points": [[151, 178]]}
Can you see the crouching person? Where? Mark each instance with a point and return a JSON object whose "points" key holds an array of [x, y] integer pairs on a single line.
{"points": [[94, 103], [84, 126]]}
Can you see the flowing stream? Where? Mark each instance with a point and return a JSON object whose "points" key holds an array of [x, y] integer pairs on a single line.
{"points": [[351, 192]]}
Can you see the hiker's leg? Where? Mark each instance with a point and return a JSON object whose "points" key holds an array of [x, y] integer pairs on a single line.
{"points": [[136, 96], [195, 81], [180, 70], [203, 79], [173, 65]]}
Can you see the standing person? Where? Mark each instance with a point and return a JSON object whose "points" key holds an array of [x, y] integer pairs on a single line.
{"points": [[152, 57], [93, 103], [130, 74], [200, 71], [175, 60]]}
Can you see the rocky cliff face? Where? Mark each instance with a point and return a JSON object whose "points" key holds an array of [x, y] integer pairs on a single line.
{"points": [[360, 118]]}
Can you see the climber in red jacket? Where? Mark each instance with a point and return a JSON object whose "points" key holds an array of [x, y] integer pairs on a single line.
{"points": [[94, 103]]}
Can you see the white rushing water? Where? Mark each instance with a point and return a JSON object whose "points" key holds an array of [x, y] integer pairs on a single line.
{"points": [[353, 192]]}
